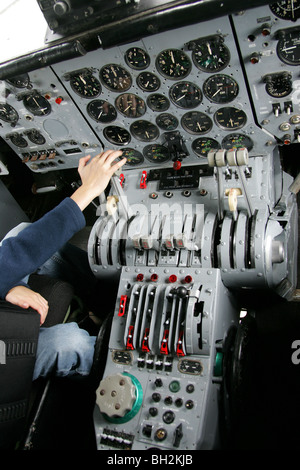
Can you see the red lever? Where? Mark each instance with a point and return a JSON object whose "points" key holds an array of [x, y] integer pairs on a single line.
{"points": [[179, 350], [164, 343], [143, 184], [122, 178], [122, 306], [129, 344], [145, 346]]}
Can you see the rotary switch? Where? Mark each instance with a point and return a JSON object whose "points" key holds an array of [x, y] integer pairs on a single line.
{"points": [[119, 396]]}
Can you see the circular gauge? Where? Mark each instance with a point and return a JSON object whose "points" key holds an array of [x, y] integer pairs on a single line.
{"points": [[134, 157], [185, 95], [167, 122], [36, 137], [101, 111], [220, 89], [137, 58], [20, 81], [286, 10], [85, 85], [130, 105], [211, 55], [144, 130], [203, 145], [148, 81], [18, 140], [173, 64], [8, 113], [237, 141], [288, 48], [117, 135], [230, 118], [37, 104], [279, 85], [158, 102], [115, 77], [196, 122], [156, 153]]}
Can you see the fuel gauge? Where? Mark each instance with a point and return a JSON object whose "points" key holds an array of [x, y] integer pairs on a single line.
{"points": [[134, 157]]}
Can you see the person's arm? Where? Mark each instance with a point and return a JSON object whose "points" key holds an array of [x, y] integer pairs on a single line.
{"points": [[22, 255]]}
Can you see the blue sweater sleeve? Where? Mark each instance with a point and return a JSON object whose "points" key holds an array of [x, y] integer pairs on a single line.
{"points": [[25, 253]]}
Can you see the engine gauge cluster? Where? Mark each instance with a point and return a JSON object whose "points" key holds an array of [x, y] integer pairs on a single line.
{"points": [[168, 96]]}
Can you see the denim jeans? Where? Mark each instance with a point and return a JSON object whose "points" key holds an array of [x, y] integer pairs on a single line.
{"points": [[65, 349]]}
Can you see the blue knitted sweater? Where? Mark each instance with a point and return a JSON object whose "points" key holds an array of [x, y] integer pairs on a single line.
{"points": [[24, 254]]}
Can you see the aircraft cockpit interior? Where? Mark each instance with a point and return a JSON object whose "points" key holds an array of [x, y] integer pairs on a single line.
{"points": [[198, 231]]}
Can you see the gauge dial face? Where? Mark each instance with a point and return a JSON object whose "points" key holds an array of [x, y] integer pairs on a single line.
{"points": [[173, 64], [20, 81], [167, 122], [158, 102], [286, 10], [288, 48], [130, 105], [137, 58], [37, 104], [117, 135], [8, 113], [101, 111], [220, 89], [211, 55], [85, 85], [196, 122], [134, 157], [115, 77], [279, 85], [156, 153], [148, 81], [144, 130], [185, 95], [203, 145], [229, 118], [36, 137], [237, 141], [18, 140]]}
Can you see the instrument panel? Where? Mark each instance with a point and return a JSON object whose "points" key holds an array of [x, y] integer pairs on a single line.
{"points": [[228, 82]]}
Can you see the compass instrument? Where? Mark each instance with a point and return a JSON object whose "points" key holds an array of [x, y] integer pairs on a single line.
{"points": [[286, 10], [101, 111], [220, 89], [185, 95], [115, 77], [173, 64]]}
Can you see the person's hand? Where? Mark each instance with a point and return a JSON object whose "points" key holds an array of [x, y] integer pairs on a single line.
{"points": [[25, 298], [95, 175]]}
